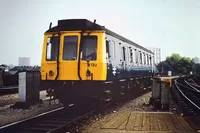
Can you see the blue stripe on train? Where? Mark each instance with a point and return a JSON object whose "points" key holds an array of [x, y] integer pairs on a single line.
{"points": [[128, 72]]}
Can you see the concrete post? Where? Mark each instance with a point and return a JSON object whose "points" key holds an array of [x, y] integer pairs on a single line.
{"points": [[156, 89], [22, 87], [165, 95], [28, 89]]}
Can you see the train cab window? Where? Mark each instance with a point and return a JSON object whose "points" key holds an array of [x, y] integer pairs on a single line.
{"points": [[89, 48], [52, 48], [70, 47]]}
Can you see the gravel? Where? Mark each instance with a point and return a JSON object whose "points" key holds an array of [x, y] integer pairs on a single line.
{"points": [[10, 99], [139, 104], [9, 115], [15, 96], [92, 124]]}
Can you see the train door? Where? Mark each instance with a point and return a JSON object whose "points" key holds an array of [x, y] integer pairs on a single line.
{"points": [[49, 57], [88, 61], [86, 66], [69, 56], [92, 57]]}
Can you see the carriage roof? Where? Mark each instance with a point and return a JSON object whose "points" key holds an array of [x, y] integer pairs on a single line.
{"points": [[86, 25]]}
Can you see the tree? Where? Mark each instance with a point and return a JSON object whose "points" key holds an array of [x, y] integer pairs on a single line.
{"points": [[177, 64], [197, 69]]}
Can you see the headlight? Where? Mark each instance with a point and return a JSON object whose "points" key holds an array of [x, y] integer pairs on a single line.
{"points": [[51, 73]]}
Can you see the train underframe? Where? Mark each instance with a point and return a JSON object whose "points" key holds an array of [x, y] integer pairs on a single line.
{"points": [[96, 93]]}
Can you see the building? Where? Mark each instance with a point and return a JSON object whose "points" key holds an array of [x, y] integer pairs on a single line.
{"points": [[157, 54], [196, 60], [24, 61]]}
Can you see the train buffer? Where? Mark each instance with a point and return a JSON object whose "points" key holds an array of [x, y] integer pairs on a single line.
{"points": [[146, 122], [161, 92]]}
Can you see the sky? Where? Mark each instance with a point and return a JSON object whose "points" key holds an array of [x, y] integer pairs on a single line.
{"points": [[172, 25]]}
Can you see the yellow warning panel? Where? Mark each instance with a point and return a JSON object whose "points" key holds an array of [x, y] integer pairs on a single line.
{"points": [[168, 79]]}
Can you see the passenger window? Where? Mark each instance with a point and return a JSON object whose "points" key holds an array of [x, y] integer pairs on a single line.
{"points": [[131, 55], [127, 54], [89, 47], [70, 47], [153, 59], [124, 56], [140, 57], [113, 46], [147, 59], [107, 48], [52, 48], [150, 60], [136, 56], [144, 59]]}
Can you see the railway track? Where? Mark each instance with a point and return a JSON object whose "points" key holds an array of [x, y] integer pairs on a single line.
{"points": [[8, 90], [187, 96], [61, 119], [193, 82], [55, 121], [34, 124]]}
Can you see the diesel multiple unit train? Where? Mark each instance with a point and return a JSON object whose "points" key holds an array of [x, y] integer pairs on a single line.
{"points": [[83, 61]]}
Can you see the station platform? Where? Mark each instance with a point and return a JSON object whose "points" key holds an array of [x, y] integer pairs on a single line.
{"points": [[146, 122]]}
